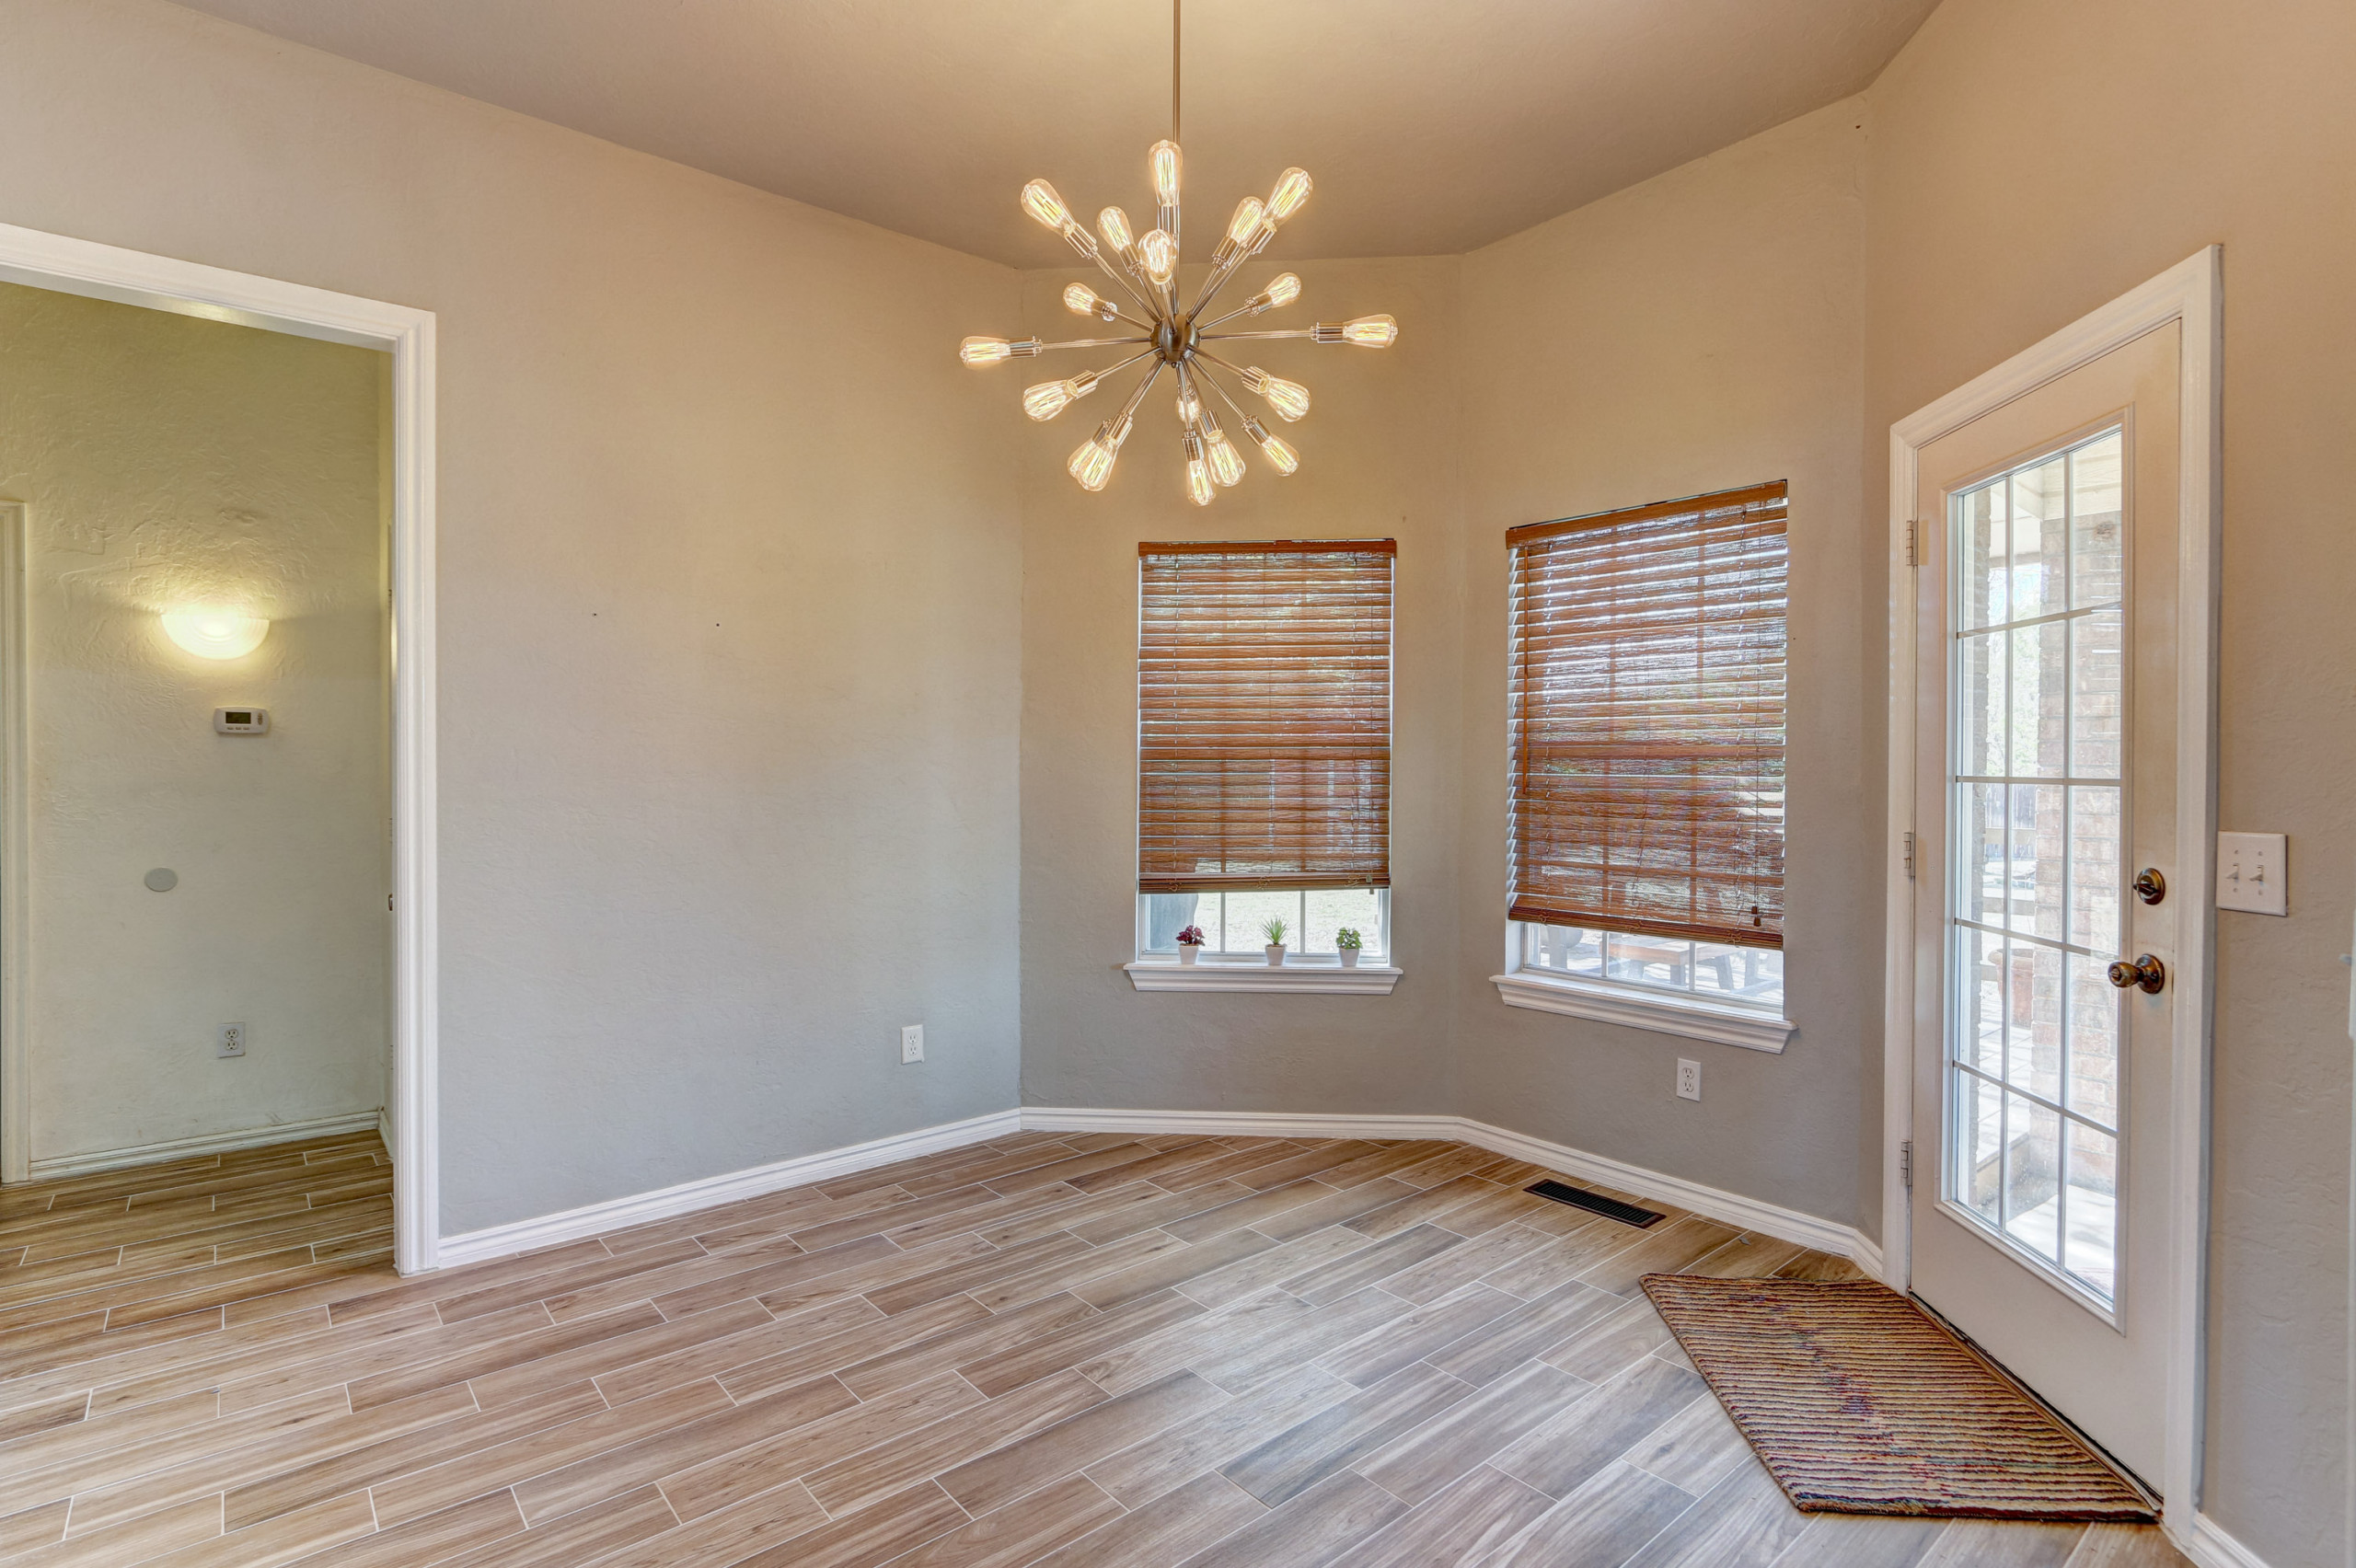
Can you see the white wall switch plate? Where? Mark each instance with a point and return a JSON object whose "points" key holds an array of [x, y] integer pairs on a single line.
{"points": [[2253, 873], [231, 1041], [912, 1043], [1689, 1080]]}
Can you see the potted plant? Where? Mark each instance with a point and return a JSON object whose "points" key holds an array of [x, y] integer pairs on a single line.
{"points": [[1346, 945], [1190, 944], [1273, 928]]}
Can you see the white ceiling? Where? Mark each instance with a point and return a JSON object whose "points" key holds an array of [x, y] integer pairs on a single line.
{"points": [[1430, 126]]}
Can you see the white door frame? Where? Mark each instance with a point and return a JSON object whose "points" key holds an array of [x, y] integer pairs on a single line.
{"points": [[186, 288], [2193, 293]]}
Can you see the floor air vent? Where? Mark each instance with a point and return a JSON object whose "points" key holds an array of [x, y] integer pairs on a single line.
{"points": [[1596, 1203]]}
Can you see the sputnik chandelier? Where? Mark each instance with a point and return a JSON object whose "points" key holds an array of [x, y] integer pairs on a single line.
{"points": [[1175, 338]]}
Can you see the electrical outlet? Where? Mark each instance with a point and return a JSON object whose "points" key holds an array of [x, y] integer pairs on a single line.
{"points": [[912, 1043], [2253, 873], [231, 1042], [1689, 1080]]}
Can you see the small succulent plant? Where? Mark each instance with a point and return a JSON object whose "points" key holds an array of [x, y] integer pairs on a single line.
{"points": [[1274, 928], [1347, 936]]}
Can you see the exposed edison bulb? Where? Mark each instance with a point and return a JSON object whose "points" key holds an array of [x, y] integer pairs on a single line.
{"points": [[1048, 398], [1080, 299], [984, 350], [1278, 450], [1091, 460], [1114, 225], [1292, 189], [1190, 407], [1039, 200], [1289, 398], [1283, 289], [1226, 467], [1371, 331], [1199, 488], [1165, 159], [1246, 222], [1161, 254]]}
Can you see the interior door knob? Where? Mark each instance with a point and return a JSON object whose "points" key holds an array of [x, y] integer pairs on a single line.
{"points": [[2146, 972], [2150, 886]]}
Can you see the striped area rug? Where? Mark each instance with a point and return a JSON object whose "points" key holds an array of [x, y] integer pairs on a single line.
{"points": [[1858, 1402]]}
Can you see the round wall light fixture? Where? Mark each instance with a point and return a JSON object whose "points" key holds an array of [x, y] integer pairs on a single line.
{"points": [[212, 633]]}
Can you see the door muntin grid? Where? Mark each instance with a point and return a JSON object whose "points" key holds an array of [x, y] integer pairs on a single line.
{"points": [[2037, 890]]}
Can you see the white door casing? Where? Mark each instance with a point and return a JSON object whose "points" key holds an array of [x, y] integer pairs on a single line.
{"points": [[104, 271], [2183, 304]]}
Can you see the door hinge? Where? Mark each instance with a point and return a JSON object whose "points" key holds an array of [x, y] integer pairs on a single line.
{"points": [[1909, 856], [1914, 544], [1906, 1164]]}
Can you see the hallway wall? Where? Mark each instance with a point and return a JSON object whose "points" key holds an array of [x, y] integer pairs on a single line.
{"points": [[167, 461]]}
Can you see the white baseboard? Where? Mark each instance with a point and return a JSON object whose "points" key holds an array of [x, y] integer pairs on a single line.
{"points": [[1241, 1123], [1727, 1208], [592, 1220], [211, 1142], [2209, 1546]]}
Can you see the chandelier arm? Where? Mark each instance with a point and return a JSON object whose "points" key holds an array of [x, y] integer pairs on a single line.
{"points": [[1205, 356], [1236, 337], [1120, 315], [1215, 282], [1115, 369], [1129, 408], [1243, 309], [1212, 382], [1094, 343], [1121, 277]]}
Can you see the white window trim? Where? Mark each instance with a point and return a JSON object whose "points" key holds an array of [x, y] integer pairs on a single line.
{"points": [[1664, 1012], [1321, 975]]}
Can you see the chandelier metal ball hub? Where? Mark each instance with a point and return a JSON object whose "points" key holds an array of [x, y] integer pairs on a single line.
{"points": [[1174, 336]]}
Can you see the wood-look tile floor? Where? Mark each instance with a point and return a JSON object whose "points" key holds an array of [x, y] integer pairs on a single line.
{"points": [[1062, 1350]]}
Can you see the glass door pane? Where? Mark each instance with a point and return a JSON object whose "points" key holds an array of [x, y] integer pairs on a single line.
{"points": [[2035, 801]]}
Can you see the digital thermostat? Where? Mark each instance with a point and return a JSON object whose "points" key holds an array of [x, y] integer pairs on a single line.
{"points": [[241, 720]]}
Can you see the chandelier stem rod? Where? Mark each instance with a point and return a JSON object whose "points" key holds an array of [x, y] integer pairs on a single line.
{"points": [[1287, 332], [1177, 60], [1093, 343]]}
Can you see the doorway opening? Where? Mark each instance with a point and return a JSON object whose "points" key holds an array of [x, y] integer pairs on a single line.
{"points": [[183, 586]]}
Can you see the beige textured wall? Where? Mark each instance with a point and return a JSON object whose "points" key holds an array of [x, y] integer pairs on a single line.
{"points": [[165, 461], [1697, 332], [729, 604], [1378, 461], [2030, 161]]}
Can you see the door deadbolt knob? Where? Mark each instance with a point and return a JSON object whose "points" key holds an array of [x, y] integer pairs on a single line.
{"points": [[2146, 972], [2150, 886]]}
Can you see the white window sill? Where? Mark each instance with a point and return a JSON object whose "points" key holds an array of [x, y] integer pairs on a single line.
{"points": [[1295, 976], [1664, 1012]]}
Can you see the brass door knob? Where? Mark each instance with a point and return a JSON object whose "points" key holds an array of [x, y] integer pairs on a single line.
{"points": [[2146, 972]]}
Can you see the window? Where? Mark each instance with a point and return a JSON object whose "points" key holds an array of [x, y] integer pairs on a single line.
{"points": [[1647, 735], [1263, 748]]}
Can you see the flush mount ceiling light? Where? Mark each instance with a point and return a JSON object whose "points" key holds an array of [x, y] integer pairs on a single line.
{"points": [[212, 633], [1173, 338]]}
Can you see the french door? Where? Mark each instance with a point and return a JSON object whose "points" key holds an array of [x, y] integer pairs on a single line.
{"points": [[2046, 776]]}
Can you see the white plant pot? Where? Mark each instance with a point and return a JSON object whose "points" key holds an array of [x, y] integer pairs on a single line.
{"points": [[1188, 953], [1349, 957], [1276, 951]]}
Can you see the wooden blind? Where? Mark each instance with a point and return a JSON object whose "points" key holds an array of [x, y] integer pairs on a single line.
{"points": [[1263, 715], [1648, 719]]}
